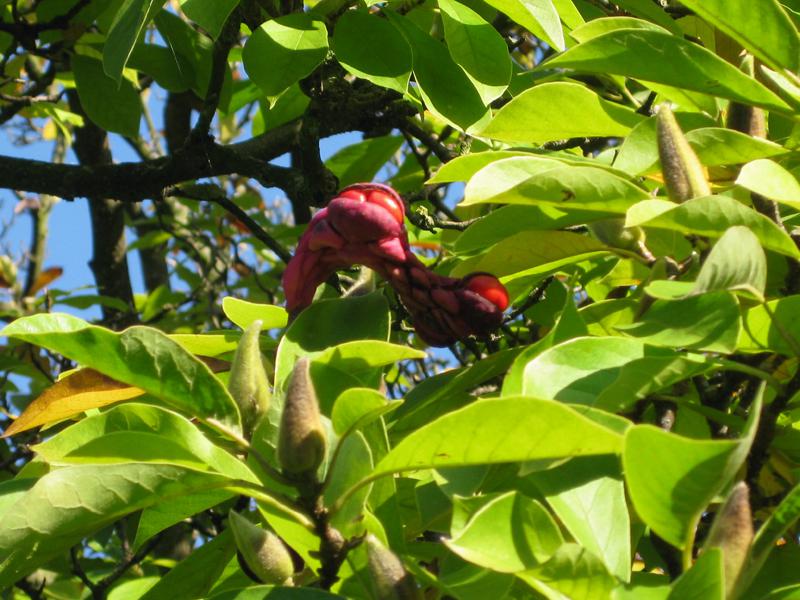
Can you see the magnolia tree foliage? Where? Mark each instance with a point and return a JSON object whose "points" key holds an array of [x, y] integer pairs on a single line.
{"points": [[621, 176]]}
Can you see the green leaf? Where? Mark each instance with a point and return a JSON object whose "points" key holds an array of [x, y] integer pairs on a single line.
{"points": [[532, 252], [362, 161], [445, 87], [208, 344], [372, 48], [664, 58], [610, 373], [508, 533], [500, 430], [196, 574], [761, 27], [736, 262], [271, 592], [461, 168], [243, 313], [69, 503], [597, 27], [507, 221], [353, 463], [704, 581], [711, 216], [537, 16], [574, 573], [690, 474], [529, 118], [588, 497], [540, 181], [211, 16], [772, 327], [190, 48], [139, 356], [327, 323], [357, 407], [140, 433], [284, 50], [129, 23], [477, 48], [771, 180], [110, 105], [707, 322]]}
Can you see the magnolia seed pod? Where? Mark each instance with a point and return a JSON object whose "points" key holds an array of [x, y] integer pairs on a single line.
{"points": [[248, 383], [390, 580], [262, 551], [732, 532], [684, 176], [301, 438], [744, 118]]}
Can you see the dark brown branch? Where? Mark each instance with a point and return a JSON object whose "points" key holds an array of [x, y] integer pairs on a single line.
{"points": [[442, 152]]}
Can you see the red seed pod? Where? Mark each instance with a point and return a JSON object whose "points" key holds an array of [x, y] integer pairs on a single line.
{"points": [[489, 287]]}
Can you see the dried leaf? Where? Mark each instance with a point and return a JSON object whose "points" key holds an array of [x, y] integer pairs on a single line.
{"points": [[45, 278]]}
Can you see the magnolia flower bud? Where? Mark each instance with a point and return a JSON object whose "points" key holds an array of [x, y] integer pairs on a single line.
{"points": [[732, 532], [390, 580], [301, 438], [684, 176], [743, 117], [262, 551], [248, 383]]}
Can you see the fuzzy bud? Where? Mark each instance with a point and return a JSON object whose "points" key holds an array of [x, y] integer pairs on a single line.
{"points": [[684, 175], [248, 383], [732, 532], [262, 551], [390, 580], [301, 438], [745, 118]]}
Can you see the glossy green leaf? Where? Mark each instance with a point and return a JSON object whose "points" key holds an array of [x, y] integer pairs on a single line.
{"points": [[140, 433], [588, 497], [597, 27], [271, 592], [663, 58], [357, 407], [611, 373], [510, 220], [477, 48], [736, 262], [353, 463], [537, 16], [208, 344], [574, 573], [761, 27], [372, 48], [461, 168], [362, 161], [172, 72], [507, 534], [364, 355], [773, 327], [530, 252], [707, 322], [69, 503], [704, 581], [110, 105], [139, 356], [284, 50], [772, 181], [445, 87], [243, 313], [129, 23], [539, 181], [529, 118], [690, 474], [195, 575], [500, 430], [711, 216], [327, 323], [211, 16], [190, 48]]}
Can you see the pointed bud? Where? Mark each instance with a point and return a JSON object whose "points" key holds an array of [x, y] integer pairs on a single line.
{"points": [[248, 383], [732, 532], [262, 551], [301, 439], [684, 176], [390, 580]]}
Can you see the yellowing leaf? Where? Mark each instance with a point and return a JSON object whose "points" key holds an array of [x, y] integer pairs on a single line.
{"points": [[45, 278], [74, 394]]}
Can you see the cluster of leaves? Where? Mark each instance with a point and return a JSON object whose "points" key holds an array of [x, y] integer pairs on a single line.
{"points": [[591, 449]]}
